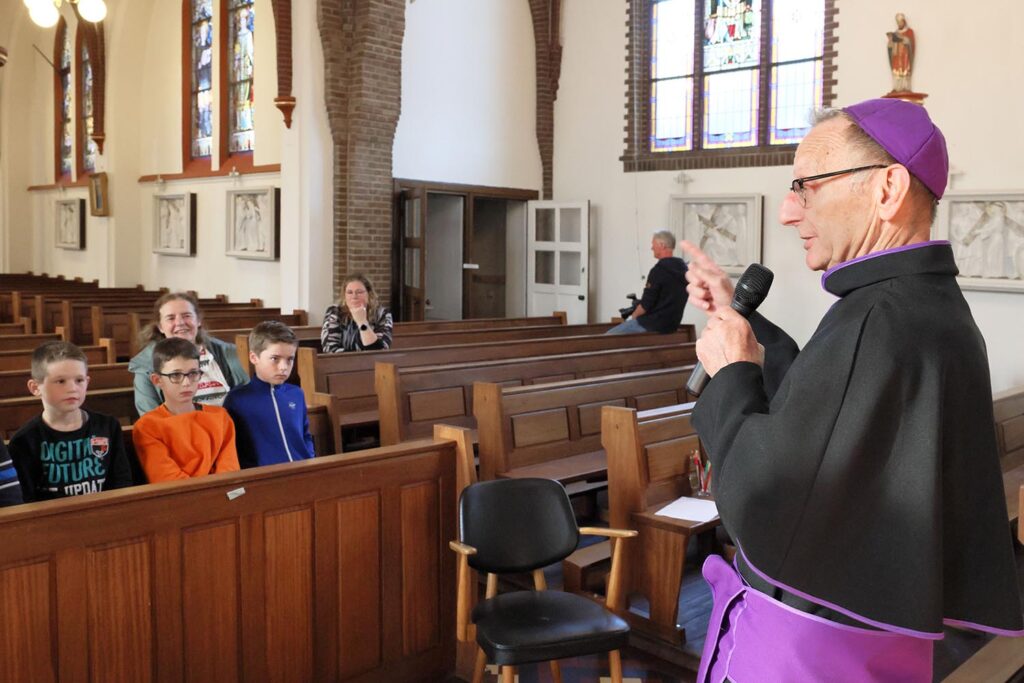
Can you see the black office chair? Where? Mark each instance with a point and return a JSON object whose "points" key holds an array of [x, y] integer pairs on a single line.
{"points": [[522, 525]]}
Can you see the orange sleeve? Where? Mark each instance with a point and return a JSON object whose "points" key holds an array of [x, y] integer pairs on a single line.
{"points": [[154, 455], [227, 459]]}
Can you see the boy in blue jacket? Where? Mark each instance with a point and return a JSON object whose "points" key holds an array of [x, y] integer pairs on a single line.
{"points": [[271, 423]]}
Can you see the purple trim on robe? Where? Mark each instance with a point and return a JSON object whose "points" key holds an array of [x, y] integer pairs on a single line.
{"points": [[752, 637], [957, 623], [927, 635], [875, 254]]}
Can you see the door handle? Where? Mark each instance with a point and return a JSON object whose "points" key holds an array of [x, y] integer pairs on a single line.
{"points": [[471, 266], [581, 297]]}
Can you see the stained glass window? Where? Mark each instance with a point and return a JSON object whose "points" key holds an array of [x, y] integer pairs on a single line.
{"points": [[202, 78], [241, 51], [86, 144], [66, 134], [728, 61]]}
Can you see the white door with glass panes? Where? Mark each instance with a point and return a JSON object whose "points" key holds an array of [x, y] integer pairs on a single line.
{"points": [[557, 252]]}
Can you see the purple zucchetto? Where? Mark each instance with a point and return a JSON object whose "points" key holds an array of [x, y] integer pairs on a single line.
{"points": [[906, 132]]}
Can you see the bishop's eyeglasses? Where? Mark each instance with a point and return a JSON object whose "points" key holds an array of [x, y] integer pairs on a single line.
{"points": [[179, 377], [797, 186]]}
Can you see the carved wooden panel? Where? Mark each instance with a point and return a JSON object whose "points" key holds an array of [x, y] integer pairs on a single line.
{"points": [[120, 622], [420, 579], [210, 604], [359, 601], [656, 400], [669, 458], [288, 548], [543, 426], [590, 415], [436, 404], [27, 643]]}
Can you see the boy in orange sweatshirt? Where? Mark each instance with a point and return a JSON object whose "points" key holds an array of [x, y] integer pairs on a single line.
{"points": [[182, 439]]}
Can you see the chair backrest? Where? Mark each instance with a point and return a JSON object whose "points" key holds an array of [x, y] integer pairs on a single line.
{"points": [[517, 525]]}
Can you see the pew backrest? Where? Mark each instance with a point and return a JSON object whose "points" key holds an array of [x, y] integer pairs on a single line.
{"points": [[526, 426], [411, 400], [1008, 408]]}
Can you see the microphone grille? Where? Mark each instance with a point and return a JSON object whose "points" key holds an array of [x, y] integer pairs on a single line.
{"points": [[752, 288]]}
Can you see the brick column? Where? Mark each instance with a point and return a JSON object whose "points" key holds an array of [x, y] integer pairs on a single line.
{"points": [[548, 50], [362, 41]]}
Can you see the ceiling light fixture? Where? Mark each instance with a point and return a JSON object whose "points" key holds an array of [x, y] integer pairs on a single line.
{"points": [[46, 13]]}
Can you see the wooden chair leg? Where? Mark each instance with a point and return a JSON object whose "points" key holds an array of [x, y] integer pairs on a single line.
{"points": [[556, 671], [615, 664], [508, 674], [479, 666]]}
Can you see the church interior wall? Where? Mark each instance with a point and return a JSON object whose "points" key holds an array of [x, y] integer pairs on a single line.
{"points": [[468, 96], [977, 112]]}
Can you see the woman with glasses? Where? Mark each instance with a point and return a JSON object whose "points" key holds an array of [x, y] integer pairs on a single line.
{"points": [[358, 322], [176, 314]]}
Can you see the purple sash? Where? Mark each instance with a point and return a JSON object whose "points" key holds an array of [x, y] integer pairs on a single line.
{"points": [[752, 637]]}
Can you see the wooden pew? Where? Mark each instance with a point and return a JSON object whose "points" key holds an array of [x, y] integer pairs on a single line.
{"points": [[410, 400], [507, 334], [26, 342], [338, 562], [118, 402], [1008, 408], [22, 327], [76, 314], [554, 430], [648, 466], [349, 377], [13, 383], [556, 318], [22, 360]]}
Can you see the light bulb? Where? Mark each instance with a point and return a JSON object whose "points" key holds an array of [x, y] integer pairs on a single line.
{"points": [[44, 14], [92, 10]]}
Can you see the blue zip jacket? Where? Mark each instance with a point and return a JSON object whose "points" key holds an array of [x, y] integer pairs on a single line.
{"points": [[271, 423]]}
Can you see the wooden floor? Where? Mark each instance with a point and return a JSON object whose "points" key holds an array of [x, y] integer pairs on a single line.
{"points": [[695, 605]]}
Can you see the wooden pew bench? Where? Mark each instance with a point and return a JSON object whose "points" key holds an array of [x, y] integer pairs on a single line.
{"points": [[118, 402], [348, 378], [339, 561], [1008, 410], [412, 399], [26, 342], [22, 327], [648, 466], [554, 430], [13, 383], [22, 360], [509, 334]]}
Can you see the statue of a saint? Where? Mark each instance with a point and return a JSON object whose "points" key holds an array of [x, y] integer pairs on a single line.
{"points": [[901, 54]]}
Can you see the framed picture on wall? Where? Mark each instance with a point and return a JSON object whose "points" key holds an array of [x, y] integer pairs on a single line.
{"points": [[99, 201], [174, 224], [726, 227], [987, 234], [70, 223], [253, 225]]}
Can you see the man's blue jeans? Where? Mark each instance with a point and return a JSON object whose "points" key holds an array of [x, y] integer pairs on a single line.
{"points": [[630, 326]]}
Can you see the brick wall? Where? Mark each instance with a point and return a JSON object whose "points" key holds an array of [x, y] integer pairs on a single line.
{"points": [[362, 41], [548, 50]]}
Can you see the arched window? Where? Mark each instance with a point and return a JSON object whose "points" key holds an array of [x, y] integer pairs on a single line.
{"points": [[718, 83], [238, 63], [87, 147], [62, 98], [200, 42]]}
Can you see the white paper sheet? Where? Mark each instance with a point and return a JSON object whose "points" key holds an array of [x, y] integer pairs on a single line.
{"points": [[690, 509]]}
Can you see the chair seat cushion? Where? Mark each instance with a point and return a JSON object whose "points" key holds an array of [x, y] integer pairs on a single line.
{"points": [[535, 626]]}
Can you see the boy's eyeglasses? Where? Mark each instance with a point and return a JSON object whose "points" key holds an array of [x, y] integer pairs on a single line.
{"points": [[179, 377]]}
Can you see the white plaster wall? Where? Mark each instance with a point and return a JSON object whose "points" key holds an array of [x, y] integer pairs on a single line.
{"points": [[976, 110], [143, 126], [468, 94]]}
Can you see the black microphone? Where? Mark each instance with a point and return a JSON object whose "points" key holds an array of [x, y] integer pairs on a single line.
{"points": [[751, 290]]}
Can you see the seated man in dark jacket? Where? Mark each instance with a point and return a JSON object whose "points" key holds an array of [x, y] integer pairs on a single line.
{"points": [[661, 308]]}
